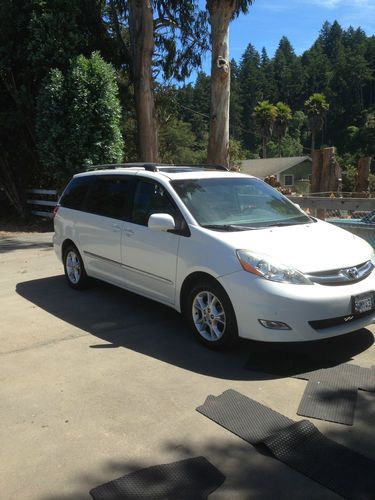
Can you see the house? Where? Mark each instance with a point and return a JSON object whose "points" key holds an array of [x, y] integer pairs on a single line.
{"points": [[292, 172]]}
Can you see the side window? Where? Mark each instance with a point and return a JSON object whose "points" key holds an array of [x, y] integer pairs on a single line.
{"points": [[75, 192], [151, 198], [108, 197]]}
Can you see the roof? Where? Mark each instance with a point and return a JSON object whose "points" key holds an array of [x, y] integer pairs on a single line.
{"points": [[270, 166]]}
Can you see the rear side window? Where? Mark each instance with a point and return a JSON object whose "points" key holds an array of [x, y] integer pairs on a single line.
{"points": [[76, 192], [108, 197]]}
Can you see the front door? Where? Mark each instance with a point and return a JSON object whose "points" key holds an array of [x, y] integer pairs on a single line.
{"points": [[149, 257]]}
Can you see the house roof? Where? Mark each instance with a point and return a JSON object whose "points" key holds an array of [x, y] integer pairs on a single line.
{"points": [[270, 166]]}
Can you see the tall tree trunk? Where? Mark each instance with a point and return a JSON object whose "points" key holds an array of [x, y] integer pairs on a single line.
{"points": [[264, 145], [221, 12], [142, 42]]}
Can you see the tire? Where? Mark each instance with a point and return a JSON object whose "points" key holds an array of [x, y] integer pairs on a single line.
{"points": [[210, 314], [74, 268]]}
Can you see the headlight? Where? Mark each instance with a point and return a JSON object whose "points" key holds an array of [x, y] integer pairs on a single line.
{"points": [[270, 269]]}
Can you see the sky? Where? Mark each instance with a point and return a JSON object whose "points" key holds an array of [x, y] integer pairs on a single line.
{"points": [[299, 20]]}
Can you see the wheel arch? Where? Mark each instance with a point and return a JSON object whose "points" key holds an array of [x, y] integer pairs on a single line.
{"points": [[191, 280], [65, 245]]}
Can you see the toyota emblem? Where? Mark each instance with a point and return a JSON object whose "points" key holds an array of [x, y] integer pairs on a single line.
{"points": [[352, 273]]}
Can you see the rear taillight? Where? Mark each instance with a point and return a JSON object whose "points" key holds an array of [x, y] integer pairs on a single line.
{"points": [[55, 211]]}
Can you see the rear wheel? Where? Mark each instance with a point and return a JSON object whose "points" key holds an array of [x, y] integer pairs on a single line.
{"points": [[210, 314], [74, 268]]}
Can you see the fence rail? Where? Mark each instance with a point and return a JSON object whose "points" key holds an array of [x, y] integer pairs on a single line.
{"points": [[38, 206], [325, 203]]}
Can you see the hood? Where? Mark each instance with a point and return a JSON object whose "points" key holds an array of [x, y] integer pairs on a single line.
{"points": [[309, 248]]}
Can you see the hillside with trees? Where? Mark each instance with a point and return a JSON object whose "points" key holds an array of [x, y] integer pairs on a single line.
{"points": [[83, 82]]}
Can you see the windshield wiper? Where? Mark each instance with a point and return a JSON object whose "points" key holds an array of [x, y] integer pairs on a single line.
{"points": [[281, 224], [228, 227]]}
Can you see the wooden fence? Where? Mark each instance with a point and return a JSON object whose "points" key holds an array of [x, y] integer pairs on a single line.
{"points": [[42, 201], [336, 204]]}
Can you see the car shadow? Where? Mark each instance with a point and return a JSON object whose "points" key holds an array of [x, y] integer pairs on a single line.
{"points": [[122, 319]]}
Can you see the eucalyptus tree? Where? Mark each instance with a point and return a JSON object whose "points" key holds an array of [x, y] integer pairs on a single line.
{"points": [[316, 108], [264, 116], [283, 117], [166, 38], [221, 13]]}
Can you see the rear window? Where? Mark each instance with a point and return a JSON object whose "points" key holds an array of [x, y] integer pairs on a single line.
{"points": [[75, 192]]}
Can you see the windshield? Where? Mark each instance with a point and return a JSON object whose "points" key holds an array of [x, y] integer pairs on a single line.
{"points": [[246, 203]]}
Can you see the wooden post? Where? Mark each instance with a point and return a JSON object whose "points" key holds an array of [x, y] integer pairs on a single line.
{"points": [[329, 180], [316, 170], [363, 174], [325, 174]]}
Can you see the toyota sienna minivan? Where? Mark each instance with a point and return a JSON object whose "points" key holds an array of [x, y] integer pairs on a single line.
{"points": [[231, 253]]}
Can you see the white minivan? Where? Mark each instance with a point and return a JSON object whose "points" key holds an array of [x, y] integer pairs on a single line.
{"points": [[231, 253]]}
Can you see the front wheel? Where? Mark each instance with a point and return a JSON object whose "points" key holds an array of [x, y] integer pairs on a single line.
{"points": [[74, 268], [210, 314]]}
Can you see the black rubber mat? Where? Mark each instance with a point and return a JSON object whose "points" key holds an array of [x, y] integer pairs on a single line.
{"points": [[333, 401], [331, 394], [305, 449], [300, 445], [243, 416], [191, 479], [356, 376]]}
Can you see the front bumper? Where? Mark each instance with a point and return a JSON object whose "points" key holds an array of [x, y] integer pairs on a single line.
{"points": [[255, 298]]}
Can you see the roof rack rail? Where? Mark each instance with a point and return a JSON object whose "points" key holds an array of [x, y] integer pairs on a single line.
{"points": [[110, 166], [153, 167], [212, 166]]}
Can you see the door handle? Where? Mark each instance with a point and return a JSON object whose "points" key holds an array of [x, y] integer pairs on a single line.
{"points": [[129, 232], [116, 227]]}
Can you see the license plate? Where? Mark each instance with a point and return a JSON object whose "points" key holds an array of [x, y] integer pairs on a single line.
{"points": [[363, 303]]}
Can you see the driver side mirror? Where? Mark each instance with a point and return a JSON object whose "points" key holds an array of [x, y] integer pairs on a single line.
{"points": [[161, 222]]}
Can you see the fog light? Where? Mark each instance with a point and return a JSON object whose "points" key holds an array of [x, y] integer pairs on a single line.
{"points": [[274, 325]]}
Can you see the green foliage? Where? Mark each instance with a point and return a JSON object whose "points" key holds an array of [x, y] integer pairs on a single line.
{"points": [[178, 143], [264, 117], [78, 118], [288, 146], [237, 153]]}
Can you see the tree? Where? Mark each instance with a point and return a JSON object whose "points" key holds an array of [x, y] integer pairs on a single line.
{"points": [[166, 37], [78, 119], [283, 117], [316, 108], [141, 27], [251, 92], [288, 74], [264, 115], [221, 12]]}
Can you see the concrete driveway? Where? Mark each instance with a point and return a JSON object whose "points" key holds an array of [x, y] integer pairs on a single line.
{"points": [[99, 383]]}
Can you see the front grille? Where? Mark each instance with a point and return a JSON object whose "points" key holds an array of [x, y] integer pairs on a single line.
{"points": [[342, 320], [342, 276]]}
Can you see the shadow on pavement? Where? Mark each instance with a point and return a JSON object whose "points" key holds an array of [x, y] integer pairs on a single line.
{"points": [[247, 474], [124, 319], [10, 244]]}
